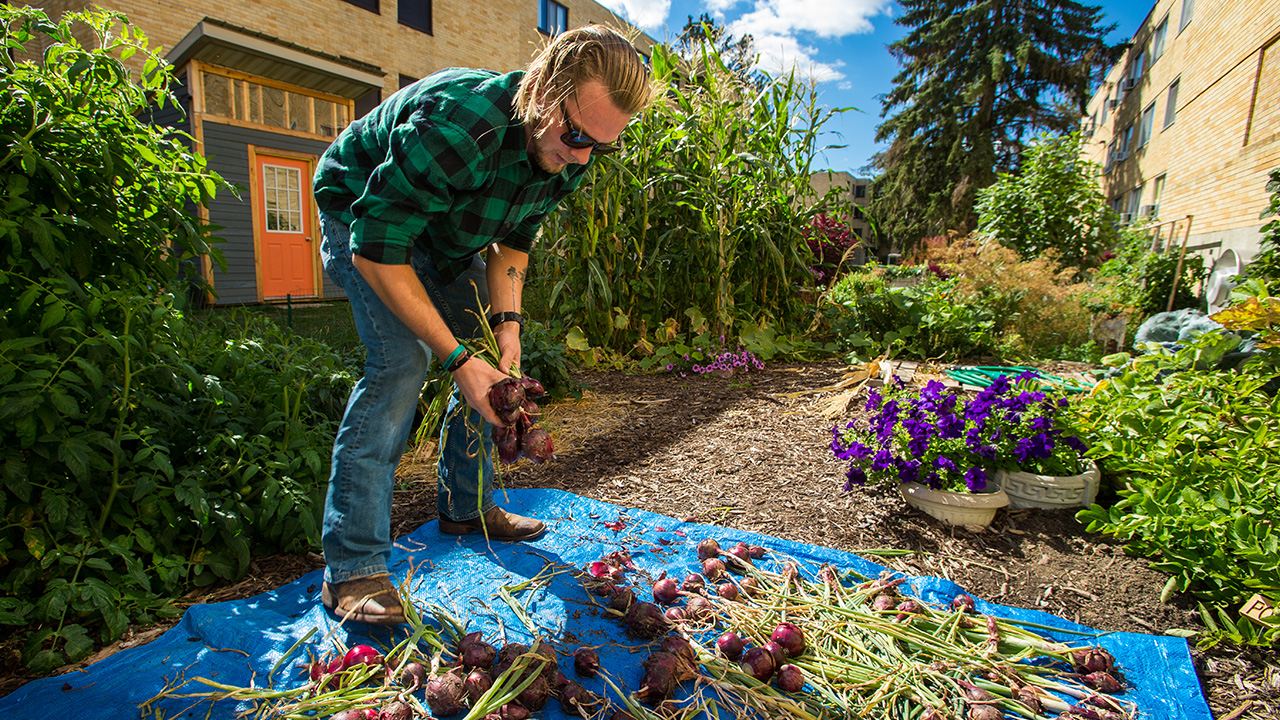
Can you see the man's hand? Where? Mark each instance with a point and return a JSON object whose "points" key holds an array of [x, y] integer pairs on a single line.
{"points": [[474, 379], [508, 336]]}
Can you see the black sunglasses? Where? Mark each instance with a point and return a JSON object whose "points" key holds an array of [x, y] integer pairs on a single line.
{"points": [[578, 140]]}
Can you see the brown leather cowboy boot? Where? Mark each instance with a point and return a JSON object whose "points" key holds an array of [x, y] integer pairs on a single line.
{"points": [[499, 525]]}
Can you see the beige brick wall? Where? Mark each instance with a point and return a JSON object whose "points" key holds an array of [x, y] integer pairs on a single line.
{"points": [[1217, 153], [496, 34]]}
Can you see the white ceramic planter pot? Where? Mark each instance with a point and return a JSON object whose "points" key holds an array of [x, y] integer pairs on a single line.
{"points": [[956, 508], [1028, 490]]}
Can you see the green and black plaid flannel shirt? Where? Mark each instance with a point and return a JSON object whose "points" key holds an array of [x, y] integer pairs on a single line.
{"points": [[442, 164]]}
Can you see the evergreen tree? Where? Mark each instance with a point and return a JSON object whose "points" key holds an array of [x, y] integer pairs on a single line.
{"points": [[977, 78]]}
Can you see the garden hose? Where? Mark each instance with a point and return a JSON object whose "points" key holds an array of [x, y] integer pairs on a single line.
{"points": [[984, 375]]}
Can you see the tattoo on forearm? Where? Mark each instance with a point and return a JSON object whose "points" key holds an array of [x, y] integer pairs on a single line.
{"points": [[517, 281]]}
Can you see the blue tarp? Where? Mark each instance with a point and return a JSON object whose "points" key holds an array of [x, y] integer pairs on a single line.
{"points": [[237, 641]]}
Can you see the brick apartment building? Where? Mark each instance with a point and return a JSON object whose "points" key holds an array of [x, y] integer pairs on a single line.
{"points": [[267, 84], [1186, 124], [855, 192]]}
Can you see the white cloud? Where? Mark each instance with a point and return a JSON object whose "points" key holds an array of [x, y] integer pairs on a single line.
{"points": [[644, 14], [824, 18], [780, 54], [717, 7], [777, 25]]}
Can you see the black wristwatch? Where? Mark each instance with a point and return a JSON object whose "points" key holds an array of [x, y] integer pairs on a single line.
{"points": [[497, 319]]}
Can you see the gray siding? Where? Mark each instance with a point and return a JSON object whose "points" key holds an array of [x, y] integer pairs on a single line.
{"points": [[227, 148]]}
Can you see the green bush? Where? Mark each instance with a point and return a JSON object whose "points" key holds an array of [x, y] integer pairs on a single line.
{"points": [[929, 320], [141, 453], [1192, 453]]}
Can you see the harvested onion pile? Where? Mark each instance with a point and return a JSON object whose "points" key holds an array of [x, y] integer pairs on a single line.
{"points": [[513, 400], [774, 643]]}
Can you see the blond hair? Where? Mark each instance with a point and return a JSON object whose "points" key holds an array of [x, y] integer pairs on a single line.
{"points": [[576, 57]]}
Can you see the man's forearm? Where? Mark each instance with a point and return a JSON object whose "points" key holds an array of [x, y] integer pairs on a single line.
{"points": [[506, 270], [400, 290]]}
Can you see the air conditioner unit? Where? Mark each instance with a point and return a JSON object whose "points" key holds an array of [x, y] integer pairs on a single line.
{"points": [[1126, 218], [1119, 156], [1112, 104], [1147, 210], [1128, 84]]}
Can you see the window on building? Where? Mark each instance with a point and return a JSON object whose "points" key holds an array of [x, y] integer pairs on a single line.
{"points": [[367, 103], [859, 190], [1171, 103], [242, 98], [415, 14], [1188, 9], [1157, 190], [1117, 206], [1126, 140], [1110, 159], [553, 18], [370, 5], [1135, 202], [407, 80], [1158, 39], [1147, 124], [857, 213]]}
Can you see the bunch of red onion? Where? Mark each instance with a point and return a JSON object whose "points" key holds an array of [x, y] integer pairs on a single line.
{"points": [[512, 400]]}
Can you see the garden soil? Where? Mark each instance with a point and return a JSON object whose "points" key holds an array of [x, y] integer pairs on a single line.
{"points": [[752, 452]]}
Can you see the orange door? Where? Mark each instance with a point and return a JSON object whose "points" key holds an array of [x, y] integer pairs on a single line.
{"points": [[286, 253]]}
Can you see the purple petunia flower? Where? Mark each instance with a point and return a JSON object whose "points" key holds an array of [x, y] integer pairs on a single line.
{"points": [[975, 479]]}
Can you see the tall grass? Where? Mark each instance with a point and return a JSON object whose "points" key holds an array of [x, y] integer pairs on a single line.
{"points": [[702, 216]]}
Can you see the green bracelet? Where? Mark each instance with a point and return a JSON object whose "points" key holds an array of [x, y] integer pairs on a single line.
{"points": [[448, 363]]}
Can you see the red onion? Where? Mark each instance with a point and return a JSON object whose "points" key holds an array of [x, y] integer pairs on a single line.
{"points": [[413, 675], [600, 569], [728, 591], [758, 663], [396, 710], [713, 568], [686, 657], [558, 681], [906, 609], [356, 714], [777, 651], [985, 712], [738, 557], [513, 711], [665, 591], [1102, 680], [445, 695], [708, 549], [730, 644], [790, 637], [698, 609], [882, 603], [973, 692], [749, 586], [534, 697], [478, 654], [790, 678], [586, 663], [1031, 698], [577, 700], [657, 683], [622, 715], [756, 552], [622, 599], [1092, 659], [675, 614], [693, 583], [963, 603], [1106, 703], [361, 654], [317, 670], [510, 652], [476, 683], [646, 621], [536, 445], [933, 714]]}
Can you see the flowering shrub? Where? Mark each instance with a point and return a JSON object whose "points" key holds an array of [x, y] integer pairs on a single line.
{"points": [[932, 438], [829, 240], [701, 361]]}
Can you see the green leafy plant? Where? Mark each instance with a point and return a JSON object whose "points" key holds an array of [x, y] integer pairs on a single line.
{"points": [[141, 454], [1265, 265], [707, 209], [1190, 451], [1051, 205], [931, 319]]}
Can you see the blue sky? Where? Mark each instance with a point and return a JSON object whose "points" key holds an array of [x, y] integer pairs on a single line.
{"points": [[841, 44]]}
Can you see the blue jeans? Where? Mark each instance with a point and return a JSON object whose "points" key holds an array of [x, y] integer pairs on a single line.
{"points": [[380, 412]]}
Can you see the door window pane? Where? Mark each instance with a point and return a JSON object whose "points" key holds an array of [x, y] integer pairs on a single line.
{"points": [[217, 95], [281, 193]]}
